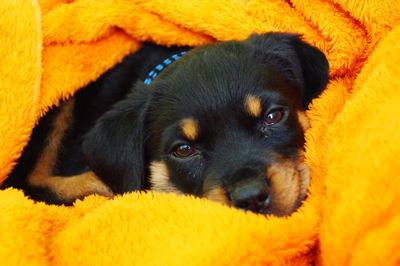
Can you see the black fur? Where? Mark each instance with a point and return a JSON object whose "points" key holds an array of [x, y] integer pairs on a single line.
{"points": [[114, 147], [210, 84]]}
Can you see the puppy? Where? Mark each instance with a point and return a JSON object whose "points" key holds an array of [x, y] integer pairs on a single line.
{"points": [[225, 122]]}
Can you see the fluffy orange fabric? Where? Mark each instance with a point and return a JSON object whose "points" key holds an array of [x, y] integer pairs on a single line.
{"points": [[352, 213]]}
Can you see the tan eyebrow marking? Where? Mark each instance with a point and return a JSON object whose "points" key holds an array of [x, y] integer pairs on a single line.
{"points": [[190, 128], [253, 105]]}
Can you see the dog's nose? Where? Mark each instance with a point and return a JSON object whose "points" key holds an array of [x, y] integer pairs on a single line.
{"points": [[252, 195]]}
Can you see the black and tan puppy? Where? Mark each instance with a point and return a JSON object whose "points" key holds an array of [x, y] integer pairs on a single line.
{"points": [[225, 122]]}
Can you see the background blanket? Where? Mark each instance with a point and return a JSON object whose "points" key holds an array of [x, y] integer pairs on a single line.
{"points": [[51, 48]]}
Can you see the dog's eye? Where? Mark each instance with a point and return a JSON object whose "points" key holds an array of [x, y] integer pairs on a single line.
{"points": [[274, 116], [183, 151]]}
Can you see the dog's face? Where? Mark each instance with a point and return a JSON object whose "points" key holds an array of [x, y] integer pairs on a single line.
{"points": [[225, 122]]}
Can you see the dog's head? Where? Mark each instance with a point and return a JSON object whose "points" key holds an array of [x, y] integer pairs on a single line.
{"points": [[225, 122]]}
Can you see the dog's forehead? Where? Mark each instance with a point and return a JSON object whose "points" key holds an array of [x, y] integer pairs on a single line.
{"points": [[209, 79]]}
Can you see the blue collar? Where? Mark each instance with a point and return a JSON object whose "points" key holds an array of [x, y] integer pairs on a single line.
{"points": [[153, 74]]}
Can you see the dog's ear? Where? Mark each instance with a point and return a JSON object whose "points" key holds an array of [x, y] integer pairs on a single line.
{"points": [[305, 64], [315, 69], [114, 147]]}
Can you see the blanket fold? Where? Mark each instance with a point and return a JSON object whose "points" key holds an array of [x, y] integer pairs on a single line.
{"points": [[51, 48]]}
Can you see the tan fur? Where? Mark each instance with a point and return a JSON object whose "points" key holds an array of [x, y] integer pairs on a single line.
{"points": [[289, 181], [190, 128], [217, 194], [159, 178], [303, 119], [73, 187], [253, 106], [66, 188]]}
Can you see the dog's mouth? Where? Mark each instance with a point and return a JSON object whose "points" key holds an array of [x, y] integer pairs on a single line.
{"points": [[280, 192]]}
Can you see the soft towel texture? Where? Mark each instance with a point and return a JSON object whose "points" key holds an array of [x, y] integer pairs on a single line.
{"points": [[352, 214]]}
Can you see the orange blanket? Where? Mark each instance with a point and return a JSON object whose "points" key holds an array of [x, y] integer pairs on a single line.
{"points": [[51, 48]]}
